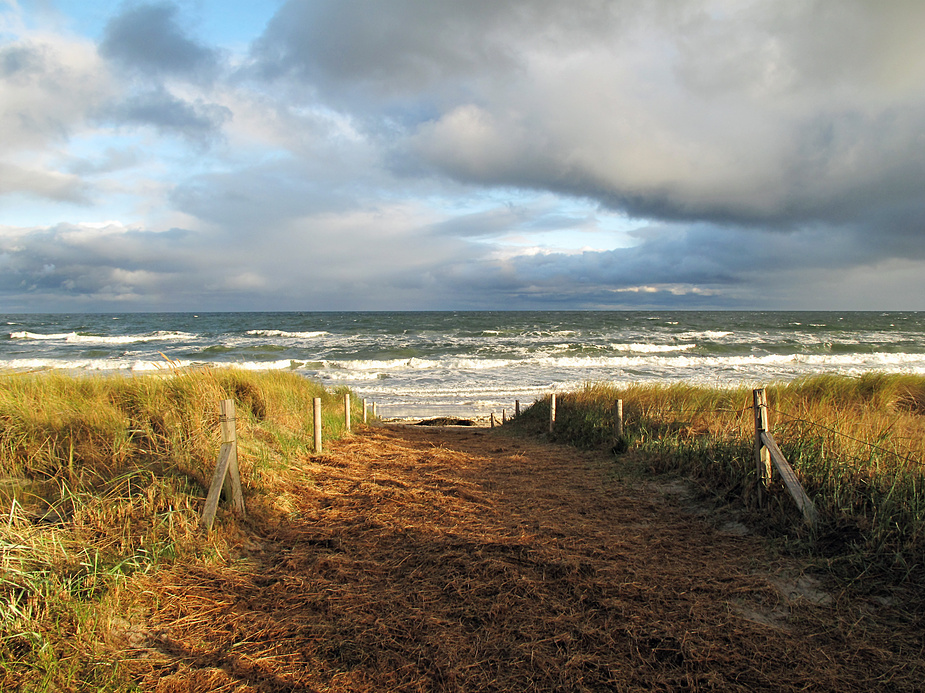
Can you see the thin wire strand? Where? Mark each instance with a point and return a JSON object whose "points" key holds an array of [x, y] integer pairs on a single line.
{"points": [[905, 458]]}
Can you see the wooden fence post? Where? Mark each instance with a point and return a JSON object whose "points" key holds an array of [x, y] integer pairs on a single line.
{"points": [[226, 476], [552, 411], [619, 440], [762, 455], [766, 451], [347, 412], [516, 408], [364, 410], [316, 420], [618, 419]]}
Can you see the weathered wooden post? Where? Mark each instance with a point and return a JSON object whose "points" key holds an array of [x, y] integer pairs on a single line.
{"points": [[347, 412], [516, 408], [762, 454], [316, 410], [503, 416], [766, 452], [232, 482], [364, 410], [491, 418], [552, 411], [226, 476], [619, 440], [618, 419]]}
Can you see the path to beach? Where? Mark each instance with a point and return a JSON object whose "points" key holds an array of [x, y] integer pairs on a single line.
{"points": [[457, 559]]}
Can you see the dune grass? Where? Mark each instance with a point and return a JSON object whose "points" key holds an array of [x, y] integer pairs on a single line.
{"points": [[103, 477], [856, 443]]}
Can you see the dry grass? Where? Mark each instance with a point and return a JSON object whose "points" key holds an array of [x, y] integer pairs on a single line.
{"points": [[452, 560], [104, 478], [857, 444]]}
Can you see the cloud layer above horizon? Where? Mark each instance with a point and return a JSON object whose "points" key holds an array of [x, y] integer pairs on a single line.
{"points": [[434, 154]]}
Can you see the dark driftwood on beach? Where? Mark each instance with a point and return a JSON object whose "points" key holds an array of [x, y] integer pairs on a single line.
{"points": [[445, 421]]}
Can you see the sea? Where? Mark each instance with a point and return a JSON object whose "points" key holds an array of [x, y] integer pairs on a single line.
{"points": [[419, 364]]}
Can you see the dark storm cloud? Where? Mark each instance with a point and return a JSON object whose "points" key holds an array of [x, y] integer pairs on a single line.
{"points": [[67, 263], [505, 220], [770, 114], [149, 38], [199, 121]]}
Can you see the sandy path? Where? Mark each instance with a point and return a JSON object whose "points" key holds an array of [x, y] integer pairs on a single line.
{"points": [[453, 559]]}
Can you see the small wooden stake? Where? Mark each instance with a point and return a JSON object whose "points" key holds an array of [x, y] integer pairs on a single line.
{"points": [[316, 421], [347, 412], [516, 408], [762, 456], [215, 488], [226, 476], [552, 411], [232, 482], [364, 411], [618, 419]]}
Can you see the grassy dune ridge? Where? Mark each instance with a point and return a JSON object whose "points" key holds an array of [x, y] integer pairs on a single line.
{"points": [[103, 477], [856, 443]]}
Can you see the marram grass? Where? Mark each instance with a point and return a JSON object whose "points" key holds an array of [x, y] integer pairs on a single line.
{"points": [[103, 477], [856, 443]]}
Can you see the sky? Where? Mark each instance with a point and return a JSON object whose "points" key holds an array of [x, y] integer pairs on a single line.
{"points": [[449, 155]]}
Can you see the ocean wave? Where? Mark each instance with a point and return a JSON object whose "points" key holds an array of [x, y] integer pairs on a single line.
{"points": [[76, 338], [287, 335], [420, 364], [711, 335], [102, 365], [652, 348], [654, 362]]}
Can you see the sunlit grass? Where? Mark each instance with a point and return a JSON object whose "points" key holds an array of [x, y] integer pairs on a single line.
{"points": [[857, 444], [105, 477]]}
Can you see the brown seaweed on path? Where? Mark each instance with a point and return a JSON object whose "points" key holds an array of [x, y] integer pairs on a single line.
{"points": [[430, 559]]}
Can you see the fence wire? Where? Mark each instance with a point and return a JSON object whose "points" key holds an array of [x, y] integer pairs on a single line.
{"points": [[905, 458]]}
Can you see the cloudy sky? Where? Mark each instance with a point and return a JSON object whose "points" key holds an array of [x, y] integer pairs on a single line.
{"points": [[449, 154]]}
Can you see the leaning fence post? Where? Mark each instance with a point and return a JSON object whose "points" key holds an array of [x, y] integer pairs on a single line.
{"points": [[347, 412], [762, 454], [226, 474], [316, 420], [552, 411]]}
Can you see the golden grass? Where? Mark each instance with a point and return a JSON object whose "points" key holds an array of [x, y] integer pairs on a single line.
{"points": [[857, 444], [104, 477]]}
